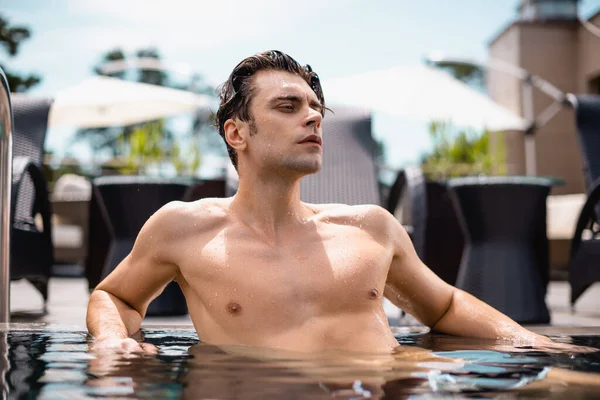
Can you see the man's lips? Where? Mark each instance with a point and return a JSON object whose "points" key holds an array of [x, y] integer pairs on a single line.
{"points": [[312, 139]]}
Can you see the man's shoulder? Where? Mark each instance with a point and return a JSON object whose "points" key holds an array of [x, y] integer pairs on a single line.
{"points": [[364, 214], [180, 217], [371, 219]]}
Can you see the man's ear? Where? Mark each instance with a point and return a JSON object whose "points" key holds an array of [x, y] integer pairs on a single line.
{"points": [[235, 133]]}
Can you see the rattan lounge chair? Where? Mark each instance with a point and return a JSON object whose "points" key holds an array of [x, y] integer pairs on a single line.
{"points": [[396, 193], [349, 173], [31, 245], [431, 221], [584, 264], [206, 188]]}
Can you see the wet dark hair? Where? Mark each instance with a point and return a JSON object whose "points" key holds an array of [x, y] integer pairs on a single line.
{"points": [[237, 92]]}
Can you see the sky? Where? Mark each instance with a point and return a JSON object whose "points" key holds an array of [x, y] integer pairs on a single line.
{"points": [[336, 37]]}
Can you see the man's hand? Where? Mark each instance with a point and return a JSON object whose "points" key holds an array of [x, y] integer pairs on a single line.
{"points": [[118, 345], [532, 342], [118, 357], [548, 345]]}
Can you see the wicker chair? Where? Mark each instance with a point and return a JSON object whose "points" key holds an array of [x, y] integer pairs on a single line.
{"points": [[584, 264], [349, 173], [31, 246], [206, 188], [408, 194], [431, 221], [396, 192], [119, 207]]}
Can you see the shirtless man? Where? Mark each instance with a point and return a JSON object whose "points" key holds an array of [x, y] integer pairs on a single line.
{"points": [[263, 268]]}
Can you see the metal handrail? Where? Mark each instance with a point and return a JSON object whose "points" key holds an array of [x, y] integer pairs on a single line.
{"points": [[6, 127], [501, 66]]}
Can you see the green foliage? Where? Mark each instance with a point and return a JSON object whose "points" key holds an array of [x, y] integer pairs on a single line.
{"points": [[147, 147], [11, 38], [185, 163], [464, 152]]}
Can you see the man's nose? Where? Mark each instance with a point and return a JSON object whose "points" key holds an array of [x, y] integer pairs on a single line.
{"points": [[314, 118]]}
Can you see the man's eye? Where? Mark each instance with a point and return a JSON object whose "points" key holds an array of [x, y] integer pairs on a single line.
{"points": [[287, 107]]}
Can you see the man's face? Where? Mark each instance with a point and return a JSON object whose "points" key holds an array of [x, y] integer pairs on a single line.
{"points": [[285, 131]]}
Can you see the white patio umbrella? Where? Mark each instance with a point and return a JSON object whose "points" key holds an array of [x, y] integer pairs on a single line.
{"points": [[102, 101], [423, 93]]}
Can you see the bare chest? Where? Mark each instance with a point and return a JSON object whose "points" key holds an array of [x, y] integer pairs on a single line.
{"points": [[342, 269]]}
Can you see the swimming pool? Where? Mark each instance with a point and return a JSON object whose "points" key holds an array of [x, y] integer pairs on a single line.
{"points": [[44, 361]]}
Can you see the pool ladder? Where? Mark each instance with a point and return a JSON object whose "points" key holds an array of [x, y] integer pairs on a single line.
{"points": [[6, 127]]}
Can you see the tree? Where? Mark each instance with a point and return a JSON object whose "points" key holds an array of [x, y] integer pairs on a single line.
{"points": [[135, 146], [112, 55], [108, 139], [470, 74], [11, 38], [152, 76]]}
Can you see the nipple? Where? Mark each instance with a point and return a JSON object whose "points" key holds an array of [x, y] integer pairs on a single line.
{"points": [[373, 294], [234, 308]]}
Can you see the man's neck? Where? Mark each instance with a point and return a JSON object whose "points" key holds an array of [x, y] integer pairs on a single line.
{"points": [[270, 204]]}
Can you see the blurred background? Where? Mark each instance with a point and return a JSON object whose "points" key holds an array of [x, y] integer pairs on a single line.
{"points": [[49, 47], [461, 88]]}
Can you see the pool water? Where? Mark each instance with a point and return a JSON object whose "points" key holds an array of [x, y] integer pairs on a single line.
{"points": [[49, 363]]}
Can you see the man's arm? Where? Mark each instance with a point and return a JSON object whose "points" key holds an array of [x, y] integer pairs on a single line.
{"points": [[413, 287], [118, 304]]}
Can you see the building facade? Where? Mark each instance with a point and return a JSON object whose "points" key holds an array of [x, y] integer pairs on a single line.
{"points": [[548, 40]]}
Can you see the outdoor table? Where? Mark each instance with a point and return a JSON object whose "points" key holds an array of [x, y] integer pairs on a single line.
{"points": [[505, 261]]}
